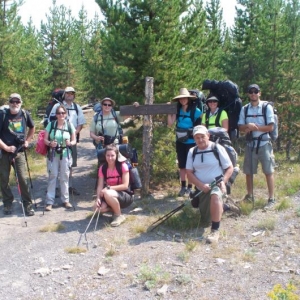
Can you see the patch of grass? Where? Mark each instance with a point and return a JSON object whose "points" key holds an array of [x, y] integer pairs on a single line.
{"points": [[183, 279], [111, 252], [249, 256], [75, 250], [284, 204], [140, 228], [184, 256], [151, 277], [283, 293], [267, 224], [191, 245], [53, 228]]}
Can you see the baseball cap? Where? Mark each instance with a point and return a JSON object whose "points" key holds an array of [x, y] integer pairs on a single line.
{"points": [[15, 95], [200, 129], [253, 86]]}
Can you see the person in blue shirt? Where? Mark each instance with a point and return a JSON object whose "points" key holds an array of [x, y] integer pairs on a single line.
{"points": [[188, 116]]}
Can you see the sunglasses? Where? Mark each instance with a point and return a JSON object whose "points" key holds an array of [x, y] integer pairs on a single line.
{"points": [[72, 93], [61, 113], [253, 92], [106, 104], [15, 101], [212, 101]]}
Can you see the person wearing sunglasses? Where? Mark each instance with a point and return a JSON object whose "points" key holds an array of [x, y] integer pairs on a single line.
{"points": [[76, 117], [13, 141], [215, 117], [59, 137], [258, 143]]}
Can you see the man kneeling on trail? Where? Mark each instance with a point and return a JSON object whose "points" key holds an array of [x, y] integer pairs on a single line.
{"points": [[202, 168]]}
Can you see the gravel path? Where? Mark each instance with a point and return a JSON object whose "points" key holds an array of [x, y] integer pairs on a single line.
{"points": [[129, 263]]}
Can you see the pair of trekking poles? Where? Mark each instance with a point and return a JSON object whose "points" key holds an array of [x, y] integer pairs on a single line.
{"points": [[164, 218]]}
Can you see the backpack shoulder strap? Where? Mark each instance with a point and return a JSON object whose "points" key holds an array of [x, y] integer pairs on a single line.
{"points": [[76, 107], [104, 171], [216, 152], [115, 115], [53, 126], [217, 122], [207, 118], [264, 111]]}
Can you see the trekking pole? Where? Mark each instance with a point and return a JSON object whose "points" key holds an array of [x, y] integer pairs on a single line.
{"points": [[19, 190], [171, 213], [84, 233], [72, 192], [31, 185]]}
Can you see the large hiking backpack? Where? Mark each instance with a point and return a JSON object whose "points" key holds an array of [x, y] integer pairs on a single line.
{"points": [[228, 94], [220, 136], [57, 97], [274, 133], [199, 101]]}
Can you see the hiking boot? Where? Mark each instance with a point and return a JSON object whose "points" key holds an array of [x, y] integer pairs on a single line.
{"points": [[213, 237], [7, 209], [271, 204], [182, 191], [117, 220], [248, 199], [48, 207], [28, 210], [188, 191], [68, 205], [231, 206], [73, 191]]}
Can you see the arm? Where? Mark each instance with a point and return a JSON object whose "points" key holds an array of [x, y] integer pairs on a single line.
{"points": [[99, 190], [194, 180], [171, 120], [225, 124], [10, 149], [29, 136], [125, 183]]}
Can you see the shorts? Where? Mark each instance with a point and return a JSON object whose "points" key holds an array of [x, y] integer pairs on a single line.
{"points": [[125, 199], [74, 155], [182, 151], [265, 156], [204, 204]]}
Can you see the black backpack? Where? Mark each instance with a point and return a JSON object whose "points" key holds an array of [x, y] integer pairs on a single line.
{"points": [[199, 101], [228, 94]]}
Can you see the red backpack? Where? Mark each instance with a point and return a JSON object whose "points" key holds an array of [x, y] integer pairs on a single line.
{"points": [[40, 147]]}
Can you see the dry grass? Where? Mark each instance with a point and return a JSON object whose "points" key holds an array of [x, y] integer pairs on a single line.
{"points": [[75, 250], [53, 228]]}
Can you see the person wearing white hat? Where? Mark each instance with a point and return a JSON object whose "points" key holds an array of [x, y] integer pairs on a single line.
{"points": [[202, 168], [113, 188], [186, 118], [76, 117]]}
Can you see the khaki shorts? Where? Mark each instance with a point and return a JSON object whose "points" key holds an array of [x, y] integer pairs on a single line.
{"points": [[265, 156]]}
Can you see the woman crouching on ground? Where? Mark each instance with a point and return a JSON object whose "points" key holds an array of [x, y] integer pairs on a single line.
{"points": [[113, 185]]}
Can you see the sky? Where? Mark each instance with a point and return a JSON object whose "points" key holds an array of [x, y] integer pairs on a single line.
{"points": [[37, 9]]}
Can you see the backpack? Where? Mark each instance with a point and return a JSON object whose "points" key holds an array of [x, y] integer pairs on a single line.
{"points": [[40, 146], [274, 133], [228, 94], [219, 135], [57, 97], [134, 177], [199, 101]]}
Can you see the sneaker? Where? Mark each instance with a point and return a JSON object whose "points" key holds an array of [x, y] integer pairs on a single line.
{"points": [[182, 191], [48, 207], [68, 205], [7, 209], [73, 191], [117, 220], [28, 210], [248, 199], [188, 191], [213, 237], [231, 206], [271, 204]]}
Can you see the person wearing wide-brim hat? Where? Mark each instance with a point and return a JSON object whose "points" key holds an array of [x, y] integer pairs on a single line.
{"points": [[214, 116], [188, 116]]}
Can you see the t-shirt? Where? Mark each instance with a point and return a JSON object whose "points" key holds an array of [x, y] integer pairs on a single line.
{"points": [[212, 119], [109, 126], [184, 121], [14, 127], [206, 166], [61, 135], [113, 177]]}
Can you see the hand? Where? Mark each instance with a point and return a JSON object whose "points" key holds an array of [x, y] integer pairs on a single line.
{"points": [[26, 144], [53, 144], [222, 187], [136, 104], [98, 203], [11, 149], [68, 143], [206, 188]]}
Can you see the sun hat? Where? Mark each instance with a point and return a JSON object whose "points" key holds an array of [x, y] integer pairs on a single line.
{"points": [[253, 86], [15, 95], [69, 89], [108, 99], [212, 98], [200, 129], [183, 93]]}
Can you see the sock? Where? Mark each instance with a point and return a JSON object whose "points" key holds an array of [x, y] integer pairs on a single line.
{"points": [[215, 225], [183, 183], [189, 186]]}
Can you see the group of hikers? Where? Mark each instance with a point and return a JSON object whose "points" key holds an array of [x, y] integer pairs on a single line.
{"points": [[200, 160]]}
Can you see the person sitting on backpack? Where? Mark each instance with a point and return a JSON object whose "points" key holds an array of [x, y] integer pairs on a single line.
{"points": [[76, 117], [259, 145], [59, 137], [13, 142], [186, 118], [214, 117], [113, 185], [202, 169]]}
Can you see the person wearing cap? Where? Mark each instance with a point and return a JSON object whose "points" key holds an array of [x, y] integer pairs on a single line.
{"points": [[215, 117], [113, 188], [186, 118], [13, 142], [76, 117], [259, 145], [202, 168]]}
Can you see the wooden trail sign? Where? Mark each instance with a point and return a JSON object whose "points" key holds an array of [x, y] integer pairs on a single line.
{"points": [[148, 109]]}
